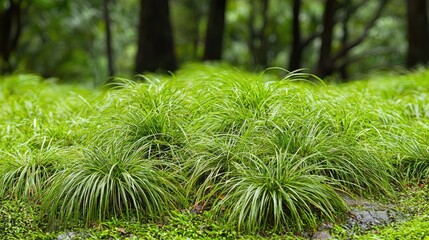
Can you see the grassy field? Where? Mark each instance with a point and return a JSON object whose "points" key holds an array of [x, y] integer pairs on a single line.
{"points": [[211, 152]]}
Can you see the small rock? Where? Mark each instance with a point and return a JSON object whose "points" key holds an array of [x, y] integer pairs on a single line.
{"points": [[67, 236], [321, 235]]}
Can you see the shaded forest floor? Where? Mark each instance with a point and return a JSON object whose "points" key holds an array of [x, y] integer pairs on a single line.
{"points": [[23, 221], [216, 153]]}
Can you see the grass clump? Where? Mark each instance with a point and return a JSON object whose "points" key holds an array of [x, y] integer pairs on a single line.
{"points": [[263, 152], [112, 182], [281, 192], [25, 171]]}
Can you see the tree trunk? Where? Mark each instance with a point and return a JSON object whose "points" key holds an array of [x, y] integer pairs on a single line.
{"points": [[196, 19], [324, 67], [155, 43], [417, 33], [215, 29], [257, 43], [296, 53], [10, 31], [328, 62], [109, 50], [345, 48], [345, 38]]}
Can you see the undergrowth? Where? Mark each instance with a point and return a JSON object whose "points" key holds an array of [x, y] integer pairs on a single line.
{"points": [[264, 153]]}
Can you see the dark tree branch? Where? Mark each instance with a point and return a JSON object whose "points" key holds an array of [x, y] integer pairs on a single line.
{"points": [[317, 34], [349, 60], [347, 47], [305, 42]]}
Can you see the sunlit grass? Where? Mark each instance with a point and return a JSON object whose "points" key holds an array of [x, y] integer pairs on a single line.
{"points": [[264, 151], [25, 170], [281, 192], [111, 182]]}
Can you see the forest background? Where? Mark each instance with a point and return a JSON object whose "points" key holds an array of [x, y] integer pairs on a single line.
{"points": [[89, 41]]}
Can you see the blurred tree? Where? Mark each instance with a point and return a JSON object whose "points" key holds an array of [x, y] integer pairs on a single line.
{"points": [[298, 43], [70, 39], [324, 67], [341, 58], [109, 50], [10, 32], [64, 39], [258, 44], [215, 29], [330, 62], [188, 17], [345, 36], [296, 51], [155, 42], [417, 33]]}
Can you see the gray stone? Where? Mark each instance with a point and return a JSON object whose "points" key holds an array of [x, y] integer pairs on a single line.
{"points": [[321, 235], [67, 236]]}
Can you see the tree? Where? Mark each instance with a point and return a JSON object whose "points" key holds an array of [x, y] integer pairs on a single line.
{"points": [[417, 33], [188, 17], [324, 67], [109, 50], [258, 44], [298, 42], [330, 62], [10, 31], [155, 41], [345, 37], [296, 51], [215, 29]]}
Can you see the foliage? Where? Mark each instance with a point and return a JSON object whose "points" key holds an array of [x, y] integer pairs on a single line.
{"points": [[180, 225], [110, 182], [417, 228], [19, 220], [75, 32], [23, 173], [279, 192], [259, 151]]}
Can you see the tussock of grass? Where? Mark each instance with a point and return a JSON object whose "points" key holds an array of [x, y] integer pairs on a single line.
{"points": [[264, 152], [277, 192], [111, 182]]}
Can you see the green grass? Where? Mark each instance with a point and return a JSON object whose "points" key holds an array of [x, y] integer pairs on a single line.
{"points": [[263, 152], [111, 182], [281, 192]]}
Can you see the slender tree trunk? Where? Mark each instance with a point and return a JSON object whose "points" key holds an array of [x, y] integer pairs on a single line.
{"points": [[257, 44], [417, 33], [109, 50], [196, 15], [296, 53], [345, 38], [155, 43], [215, 29], [10, 31], [262, 49], [324, 67], [196, 34]]}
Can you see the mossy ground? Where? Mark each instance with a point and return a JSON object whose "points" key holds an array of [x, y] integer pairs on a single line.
{"points": [[265, 156]]}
